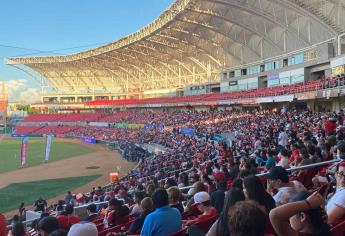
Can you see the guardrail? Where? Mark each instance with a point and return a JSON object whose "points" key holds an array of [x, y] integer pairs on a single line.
{"points": [[289, 169]]}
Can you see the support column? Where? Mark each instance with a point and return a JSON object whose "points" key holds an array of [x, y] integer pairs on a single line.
{"points": [[166, 79], [193, 74]]}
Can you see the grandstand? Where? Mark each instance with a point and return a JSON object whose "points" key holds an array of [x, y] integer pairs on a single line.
{"points": [[245, 97]]}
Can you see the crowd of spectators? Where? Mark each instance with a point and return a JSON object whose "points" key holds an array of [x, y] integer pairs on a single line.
{"points": [[225, 193]]}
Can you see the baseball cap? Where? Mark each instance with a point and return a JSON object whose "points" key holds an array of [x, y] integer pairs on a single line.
{"points": [[201, 197], [83, 229], [278, 172]]}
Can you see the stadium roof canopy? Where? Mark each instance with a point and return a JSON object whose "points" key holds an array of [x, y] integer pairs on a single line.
{"points": [[191, 42]]}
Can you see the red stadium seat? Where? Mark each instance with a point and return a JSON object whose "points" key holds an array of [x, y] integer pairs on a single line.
{"points": [[115, 229], [205, 225], [339, 229]]}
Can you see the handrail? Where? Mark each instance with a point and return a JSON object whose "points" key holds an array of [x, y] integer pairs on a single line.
{"points": [[306, 166], [76, 207], [289, 169]]}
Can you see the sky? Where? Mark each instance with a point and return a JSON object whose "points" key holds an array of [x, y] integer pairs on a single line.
{"points": [[49, 27]]}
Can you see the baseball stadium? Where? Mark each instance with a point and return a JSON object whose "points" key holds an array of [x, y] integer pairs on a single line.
{"points": [[220, 117]]}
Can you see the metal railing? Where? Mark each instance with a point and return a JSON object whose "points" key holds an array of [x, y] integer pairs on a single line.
{"points": [[289, 169]]}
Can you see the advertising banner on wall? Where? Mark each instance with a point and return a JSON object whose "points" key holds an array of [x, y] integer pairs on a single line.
{"points": [[272, 80], [188, 131], [327, 93], [306, 95], [89, 140], [99, 124], [334, 92], [136, 126], [284, 98], [264, 100]]}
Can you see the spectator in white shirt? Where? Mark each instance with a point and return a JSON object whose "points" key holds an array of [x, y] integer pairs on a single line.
{"points": [[284, 159], [278, 179], [336, 205], [283, 138]]}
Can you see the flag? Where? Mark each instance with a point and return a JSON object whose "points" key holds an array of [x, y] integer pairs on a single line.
{"points": [[25, 143], [48, 146]]}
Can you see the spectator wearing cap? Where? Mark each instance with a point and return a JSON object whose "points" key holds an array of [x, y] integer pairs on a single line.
{"points": [[198, 187], [336, 204], [91, 211], [202, 200], [165, 220], [278, 179], [83, 229]]}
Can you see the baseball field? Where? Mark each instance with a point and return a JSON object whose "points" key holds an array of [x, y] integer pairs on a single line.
{"points": [[73, 166]]}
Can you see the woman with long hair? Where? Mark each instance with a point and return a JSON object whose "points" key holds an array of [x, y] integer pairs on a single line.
{"points": [[183, 180], [254, 190], [220, 227], [303, 216]]}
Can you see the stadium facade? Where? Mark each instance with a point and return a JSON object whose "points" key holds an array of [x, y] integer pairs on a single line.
{"points": [[200, 47]]}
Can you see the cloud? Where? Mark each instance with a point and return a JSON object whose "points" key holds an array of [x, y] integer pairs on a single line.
{"points": [[30, 95], [22, 91]]}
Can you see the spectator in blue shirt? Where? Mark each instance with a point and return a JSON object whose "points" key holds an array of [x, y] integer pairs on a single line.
{"points": [[165, 220]]}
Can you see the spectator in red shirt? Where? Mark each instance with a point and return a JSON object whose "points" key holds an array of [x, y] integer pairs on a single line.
{"points": [[118, 212], [3, 227], [295, 152], [67, 219], [330, 126], [202, 199]]}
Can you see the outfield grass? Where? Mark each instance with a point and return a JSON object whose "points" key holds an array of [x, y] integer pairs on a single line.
{"points": [[14, 194], [10, 152]]}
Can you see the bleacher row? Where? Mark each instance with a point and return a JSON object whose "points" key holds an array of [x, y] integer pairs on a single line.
{"points": [[76, 117], [253, 93]]}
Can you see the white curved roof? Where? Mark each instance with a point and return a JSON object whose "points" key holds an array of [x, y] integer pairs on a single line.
{"points": [[192, 41]]}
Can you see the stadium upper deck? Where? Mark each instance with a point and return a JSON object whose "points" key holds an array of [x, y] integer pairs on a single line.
{"points": [[190, 43]]}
